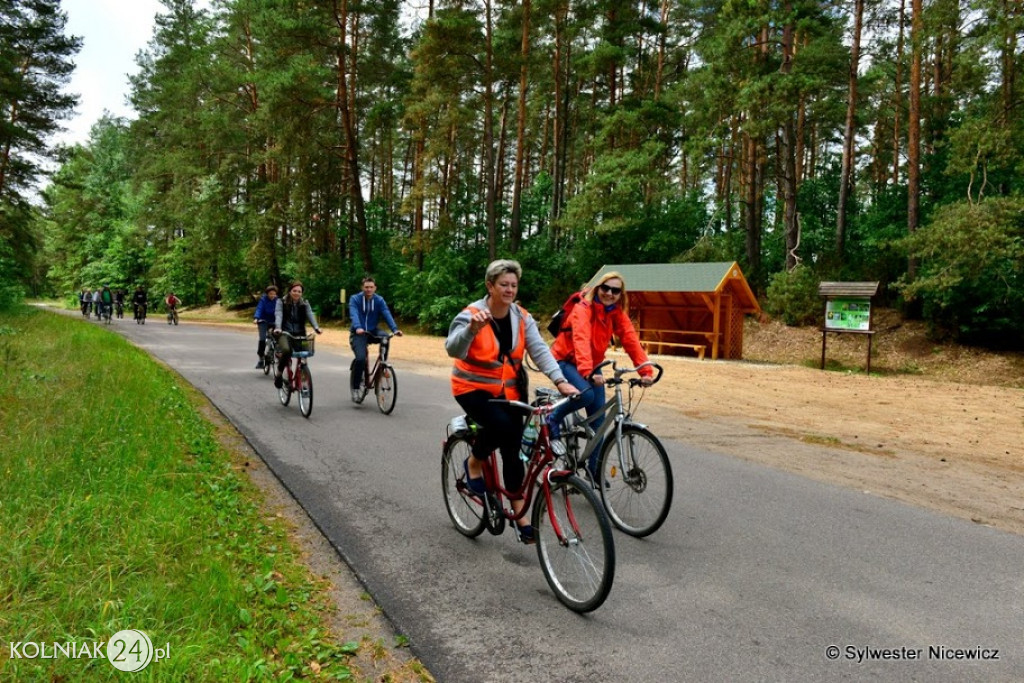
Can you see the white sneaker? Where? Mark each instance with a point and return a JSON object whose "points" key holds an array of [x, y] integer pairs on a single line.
{"points": [[357, 395]]}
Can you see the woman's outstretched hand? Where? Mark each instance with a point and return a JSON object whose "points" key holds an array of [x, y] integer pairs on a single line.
{"points": [[479, 320]]}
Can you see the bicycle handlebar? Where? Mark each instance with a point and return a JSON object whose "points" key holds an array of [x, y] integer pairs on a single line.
{"points": [[618, 372], [538, 410], [308, 337]]}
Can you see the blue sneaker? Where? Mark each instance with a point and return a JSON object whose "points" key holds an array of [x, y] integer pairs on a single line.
{"points": [[525, 534], [554, 428], [475, 485]]}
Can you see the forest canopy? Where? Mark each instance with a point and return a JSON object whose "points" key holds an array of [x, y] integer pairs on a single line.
{"points": [[328, 139]]}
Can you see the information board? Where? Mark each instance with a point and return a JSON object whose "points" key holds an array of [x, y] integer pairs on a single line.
{"points": [[850, 315]]}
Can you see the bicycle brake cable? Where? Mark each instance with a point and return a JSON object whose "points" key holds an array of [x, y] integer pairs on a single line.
{"points": [[634, 409]]}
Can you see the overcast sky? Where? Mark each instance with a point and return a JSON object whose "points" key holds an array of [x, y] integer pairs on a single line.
{"points": [[113, 32]]}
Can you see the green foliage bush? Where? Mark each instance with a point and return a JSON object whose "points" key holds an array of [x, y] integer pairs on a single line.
{"points": [[971, 276], [873, 250], [437, 293], [323, 278], [793, 297]]}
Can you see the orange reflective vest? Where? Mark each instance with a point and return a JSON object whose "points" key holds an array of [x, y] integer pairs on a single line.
{"points": [[482, 369]]}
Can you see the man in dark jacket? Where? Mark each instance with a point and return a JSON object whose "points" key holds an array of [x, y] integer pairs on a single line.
{"points": [[365, 309], [139, 303]]}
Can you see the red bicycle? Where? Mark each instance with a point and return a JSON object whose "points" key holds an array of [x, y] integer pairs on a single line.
{"points": [[572, 532], [298, 380]]}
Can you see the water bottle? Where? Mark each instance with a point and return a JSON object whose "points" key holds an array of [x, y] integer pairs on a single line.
{"points": [[529, 439]]}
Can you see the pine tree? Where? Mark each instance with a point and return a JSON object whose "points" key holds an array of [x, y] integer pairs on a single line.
{"points": [[35, 64]]}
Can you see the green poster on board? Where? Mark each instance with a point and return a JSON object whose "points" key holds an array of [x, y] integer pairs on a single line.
{"points": [[853, 315]]}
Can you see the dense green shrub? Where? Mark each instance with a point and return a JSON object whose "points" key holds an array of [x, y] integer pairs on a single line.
{"points": [[793, 297], [971, 276], [437, 293]]}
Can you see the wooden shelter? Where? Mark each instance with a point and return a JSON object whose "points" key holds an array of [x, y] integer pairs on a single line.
{"points": [[682, 307]]}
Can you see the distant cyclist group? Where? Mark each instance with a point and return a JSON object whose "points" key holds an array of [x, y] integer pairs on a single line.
{"points": [[105, 304], [282, 324]]}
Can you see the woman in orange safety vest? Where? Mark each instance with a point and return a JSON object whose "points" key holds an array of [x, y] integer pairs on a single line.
{"points": [[488, 339]]}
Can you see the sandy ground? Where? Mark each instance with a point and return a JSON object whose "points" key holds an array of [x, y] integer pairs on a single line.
{"points": [[950, 446]]}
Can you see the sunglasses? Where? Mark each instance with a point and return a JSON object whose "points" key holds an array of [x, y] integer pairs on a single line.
{"points": [[610, 290]]}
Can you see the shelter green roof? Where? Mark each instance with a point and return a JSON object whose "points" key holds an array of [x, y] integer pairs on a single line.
{"points": [[671, 277]]}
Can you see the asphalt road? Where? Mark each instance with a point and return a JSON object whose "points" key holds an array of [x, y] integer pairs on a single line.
{"points": [[754, 577]]}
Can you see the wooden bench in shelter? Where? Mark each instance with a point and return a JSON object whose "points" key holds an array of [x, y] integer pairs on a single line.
{"points": [[656, 341], [682, 308]]}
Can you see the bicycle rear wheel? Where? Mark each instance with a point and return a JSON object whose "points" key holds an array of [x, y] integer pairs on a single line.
{"points": [[385, 388], [305, 391], [466, 512], [637, 483], [574, 544]]}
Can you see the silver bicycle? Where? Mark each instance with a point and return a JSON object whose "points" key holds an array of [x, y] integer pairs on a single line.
{"points": [[634, 476]]}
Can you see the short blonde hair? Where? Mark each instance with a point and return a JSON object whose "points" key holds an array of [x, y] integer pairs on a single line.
{"points": [[611, 275], [496, 269]]}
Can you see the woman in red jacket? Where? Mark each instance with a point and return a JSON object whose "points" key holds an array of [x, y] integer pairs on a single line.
{"points": [[602, 312]]}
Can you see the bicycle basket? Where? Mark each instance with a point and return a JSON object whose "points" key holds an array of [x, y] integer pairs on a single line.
{"points": [[304, 348]]}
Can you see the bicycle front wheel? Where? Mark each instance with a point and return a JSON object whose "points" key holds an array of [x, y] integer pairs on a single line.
{"points": [[574, 543], [467, 512], [305, 391], [284, 392], [636, 481], [385, 388]]}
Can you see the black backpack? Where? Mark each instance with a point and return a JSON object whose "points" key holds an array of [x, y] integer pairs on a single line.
{"points": [[560, 318]]}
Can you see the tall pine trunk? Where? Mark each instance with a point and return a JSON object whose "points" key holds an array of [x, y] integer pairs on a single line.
{"points": [[343, 102], [490, 180], [787, 152], [517, 188], [897, 105], [849, 133], [914, 128]]}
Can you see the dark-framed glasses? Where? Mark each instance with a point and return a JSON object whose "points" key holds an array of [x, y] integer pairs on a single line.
{"points": [[610, 290]]}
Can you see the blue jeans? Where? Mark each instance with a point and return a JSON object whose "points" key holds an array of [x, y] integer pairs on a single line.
{"points": [[592, 400], [265, 327], [359, 344]]}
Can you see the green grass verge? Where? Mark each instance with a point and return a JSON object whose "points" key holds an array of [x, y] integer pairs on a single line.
{"points": [[120, 510]]}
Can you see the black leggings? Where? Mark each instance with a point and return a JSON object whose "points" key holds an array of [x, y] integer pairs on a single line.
{"points": [[502, 429]]}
